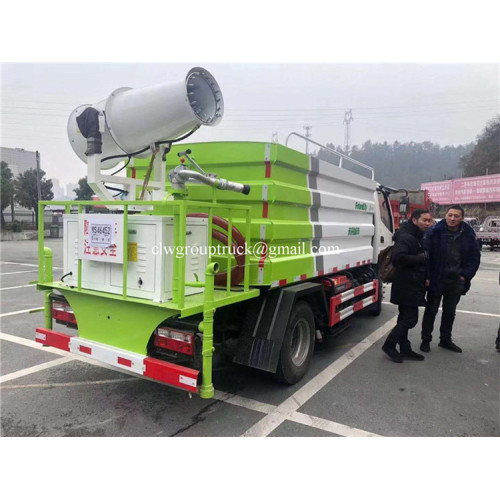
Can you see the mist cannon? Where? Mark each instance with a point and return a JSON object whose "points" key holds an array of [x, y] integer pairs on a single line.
{"points": [[130, 121]]}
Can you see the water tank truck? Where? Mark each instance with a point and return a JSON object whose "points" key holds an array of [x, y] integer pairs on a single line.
{"points": [[251, 251]]}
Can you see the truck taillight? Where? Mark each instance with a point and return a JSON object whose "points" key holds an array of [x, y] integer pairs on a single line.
{"points": [[174, 340], [61, 311]]}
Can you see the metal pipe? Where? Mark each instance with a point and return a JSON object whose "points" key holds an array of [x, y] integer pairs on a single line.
{"points": [[342, 156], [48, 310], [207, 328], [217, 182], [229, 256], [40, 241], [48, 278], [79, 277], [125, 250], [182, 260], [248, 241], [47, 265]]}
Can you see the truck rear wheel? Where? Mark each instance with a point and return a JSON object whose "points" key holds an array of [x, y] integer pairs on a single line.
{"points": [[298, 344]]}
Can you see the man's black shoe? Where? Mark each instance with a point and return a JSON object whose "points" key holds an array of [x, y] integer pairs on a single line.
{"points": [[425, 346], [412, 355], [392, 353], [450, 346]]}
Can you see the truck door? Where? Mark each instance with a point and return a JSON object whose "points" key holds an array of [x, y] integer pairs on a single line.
{"points": [[384, 223]]}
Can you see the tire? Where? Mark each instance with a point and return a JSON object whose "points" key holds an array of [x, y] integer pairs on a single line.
{"points": [[298, 344], [376, 309]]}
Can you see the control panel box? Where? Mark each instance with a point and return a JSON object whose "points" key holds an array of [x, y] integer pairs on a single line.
{"points": [[97, 239]]}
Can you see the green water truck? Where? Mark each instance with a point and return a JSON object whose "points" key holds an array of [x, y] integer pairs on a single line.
{"points": [[250, 252]]}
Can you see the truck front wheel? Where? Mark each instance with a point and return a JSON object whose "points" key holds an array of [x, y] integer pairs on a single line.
{"points": [[298, 344]]}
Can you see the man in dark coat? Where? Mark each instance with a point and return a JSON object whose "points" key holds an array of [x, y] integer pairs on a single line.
{"points": [[454, 259], [408, 284]]}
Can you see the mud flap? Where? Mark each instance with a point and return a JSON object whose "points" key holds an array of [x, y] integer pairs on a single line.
{"points": [[265, 323]]}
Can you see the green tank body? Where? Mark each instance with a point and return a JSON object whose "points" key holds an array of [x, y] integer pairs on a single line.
{"points": [[308, 217]]}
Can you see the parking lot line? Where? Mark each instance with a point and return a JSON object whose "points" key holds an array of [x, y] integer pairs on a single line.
{"points": [[33, 344], [34, 369], [68, 384], [458, 311], [18, 263], [249, 404], [14, 287], [20, 312], [19, 272], [226, 397], [24, 264], [283, 411], [65, 354], [328, 425]]}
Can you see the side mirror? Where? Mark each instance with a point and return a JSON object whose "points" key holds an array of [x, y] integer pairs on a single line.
{"points": [[404, 205]]}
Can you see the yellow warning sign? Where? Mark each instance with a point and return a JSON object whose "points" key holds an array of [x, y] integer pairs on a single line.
{"points": [[132, 252]]}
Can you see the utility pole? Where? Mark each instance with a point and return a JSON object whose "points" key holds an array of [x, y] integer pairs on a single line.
{"points": [[38, 187], [347, 130], [38, 184], [307, 128]]}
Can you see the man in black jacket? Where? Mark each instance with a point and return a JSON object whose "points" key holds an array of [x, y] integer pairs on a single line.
{"points": [[454, 259], [408, 285]]}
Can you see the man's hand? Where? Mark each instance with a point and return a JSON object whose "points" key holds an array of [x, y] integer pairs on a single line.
{"points": [[462, 278]]}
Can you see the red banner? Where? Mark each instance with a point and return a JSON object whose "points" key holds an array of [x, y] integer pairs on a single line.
{"points": [[439, 192], [482, 189]]}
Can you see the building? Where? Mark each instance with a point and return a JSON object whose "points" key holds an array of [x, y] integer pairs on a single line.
{"points": [[19, 160], [57, 189], [70, 193]]}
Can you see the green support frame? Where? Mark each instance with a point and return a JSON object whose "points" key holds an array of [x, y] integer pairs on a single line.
{"points": [[148, 312]]}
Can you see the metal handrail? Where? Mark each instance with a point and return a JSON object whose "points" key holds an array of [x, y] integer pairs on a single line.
{"points": [[342, 156], [180, 213]]}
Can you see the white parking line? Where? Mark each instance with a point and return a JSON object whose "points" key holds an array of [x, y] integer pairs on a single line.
{"points": [[328, 425], [20, 272], [68, 384], [24, 264], [14, 287], [37, 345], [249, 404], [233, 399], [18, 263], [284, 411], [33, 344], [459, 311], [34, 369], [20, 312]]}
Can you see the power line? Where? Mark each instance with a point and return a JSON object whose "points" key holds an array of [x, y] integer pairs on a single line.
{"points": [[246, 110]]}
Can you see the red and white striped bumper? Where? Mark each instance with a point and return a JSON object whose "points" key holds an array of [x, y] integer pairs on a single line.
{"points": [[162, 371], [336, 317]]}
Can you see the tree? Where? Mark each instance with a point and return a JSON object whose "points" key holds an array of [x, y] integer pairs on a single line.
{"points": [[405, 165], [26, 191], [7, 190], [83, 191], [485, 157]]}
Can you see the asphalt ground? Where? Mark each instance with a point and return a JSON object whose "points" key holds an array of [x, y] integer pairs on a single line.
{"points": [[352, 388]]}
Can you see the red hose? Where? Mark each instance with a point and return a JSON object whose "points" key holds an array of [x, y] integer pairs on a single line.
{"points": [[238, 241]]}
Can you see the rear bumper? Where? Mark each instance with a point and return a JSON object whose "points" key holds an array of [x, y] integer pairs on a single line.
{"points": [[154, 369]]}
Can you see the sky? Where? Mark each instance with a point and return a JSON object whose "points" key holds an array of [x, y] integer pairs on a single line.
{"points": [[444, 103]]}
